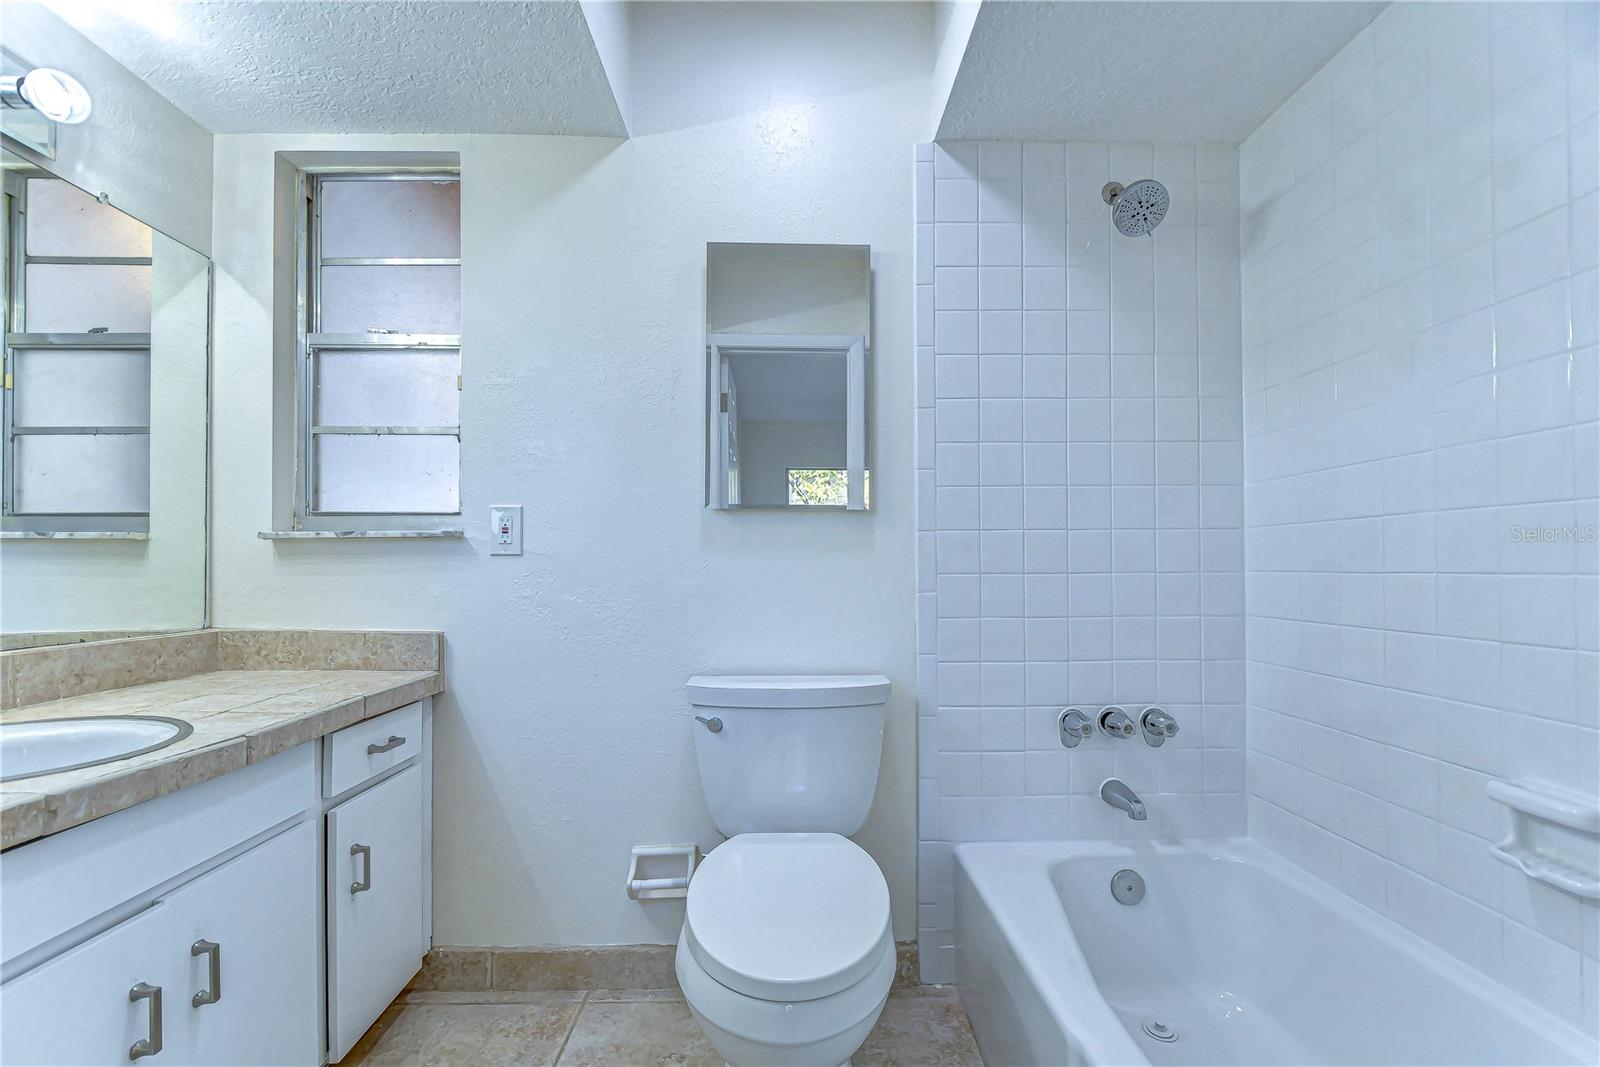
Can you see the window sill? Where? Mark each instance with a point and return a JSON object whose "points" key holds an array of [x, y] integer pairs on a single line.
{"points": [[74, 535], [359, 535]]}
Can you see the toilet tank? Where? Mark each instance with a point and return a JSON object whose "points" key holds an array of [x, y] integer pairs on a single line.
{"points": [[795, 753]]}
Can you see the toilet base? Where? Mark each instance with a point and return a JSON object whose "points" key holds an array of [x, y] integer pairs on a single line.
{"points": [[737, 1051], [747, 1032]]}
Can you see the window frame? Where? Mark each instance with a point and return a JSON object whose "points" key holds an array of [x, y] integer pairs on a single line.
{"points": [[18, 339], [311, 341]]}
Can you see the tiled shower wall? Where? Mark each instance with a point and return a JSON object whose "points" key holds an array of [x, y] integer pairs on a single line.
{"points": [[1421, 471], [1079, 498]]}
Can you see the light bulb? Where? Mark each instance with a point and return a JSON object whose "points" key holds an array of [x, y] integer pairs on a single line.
{"points": [[57, 96]]}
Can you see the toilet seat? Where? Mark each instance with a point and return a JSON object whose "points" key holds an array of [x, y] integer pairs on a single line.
{"points": [[788, 917]]}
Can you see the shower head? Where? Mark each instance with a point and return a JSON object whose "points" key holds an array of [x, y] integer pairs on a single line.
{"points": [[1138, 208]]}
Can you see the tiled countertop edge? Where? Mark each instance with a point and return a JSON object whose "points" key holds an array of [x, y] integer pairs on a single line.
{"points": [[26, 814], [34, 675]]}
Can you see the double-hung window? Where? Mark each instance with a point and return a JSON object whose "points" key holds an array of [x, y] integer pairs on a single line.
{"points": [[380, 353], [77, 362]]}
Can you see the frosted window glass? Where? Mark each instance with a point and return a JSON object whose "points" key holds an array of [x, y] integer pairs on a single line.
{"points": [[58, 474], [405, 299], [390, 474], [63, 220], [77, 297], [401, 387], [67, 387], [407, 219]]}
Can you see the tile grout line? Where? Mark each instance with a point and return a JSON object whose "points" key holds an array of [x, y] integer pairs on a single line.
{"points": [[572, 1027]]}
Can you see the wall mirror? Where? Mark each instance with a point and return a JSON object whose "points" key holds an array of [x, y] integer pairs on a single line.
{"points": [[103, 464], [788, 342]]}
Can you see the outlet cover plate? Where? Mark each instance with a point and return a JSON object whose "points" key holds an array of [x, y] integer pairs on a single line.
{"points": [[505, 530]]}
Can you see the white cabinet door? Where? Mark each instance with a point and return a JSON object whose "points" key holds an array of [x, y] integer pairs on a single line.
{"points": [[246, 936], [259, 910], [375, 934], [77, 1008]]}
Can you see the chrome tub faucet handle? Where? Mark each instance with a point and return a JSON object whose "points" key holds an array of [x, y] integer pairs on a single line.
{"points": [[1157, 726], [1114, 722]]}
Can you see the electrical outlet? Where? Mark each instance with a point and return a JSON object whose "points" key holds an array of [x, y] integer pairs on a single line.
{"points": [[505, 530]]}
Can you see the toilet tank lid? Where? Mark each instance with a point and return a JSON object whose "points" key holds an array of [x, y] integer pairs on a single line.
{"points": [[786, 690]]}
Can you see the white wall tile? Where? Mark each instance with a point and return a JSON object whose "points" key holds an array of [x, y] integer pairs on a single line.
{"points": [[1445, 650], [1055, 418]]}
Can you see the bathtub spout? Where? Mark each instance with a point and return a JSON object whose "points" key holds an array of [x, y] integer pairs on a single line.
{"points": [[1114, 792]]}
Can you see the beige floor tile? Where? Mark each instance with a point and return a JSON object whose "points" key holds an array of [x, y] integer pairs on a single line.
{"points": [[638, 1034], [920, 1028], [459, 1035]]}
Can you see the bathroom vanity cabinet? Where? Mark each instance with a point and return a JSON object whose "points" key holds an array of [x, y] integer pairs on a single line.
{"points": [[267, 916]]}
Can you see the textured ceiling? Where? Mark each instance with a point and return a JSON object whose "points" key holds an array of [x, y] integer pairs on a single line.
{"points": [[1137, 71], [371, 66]]}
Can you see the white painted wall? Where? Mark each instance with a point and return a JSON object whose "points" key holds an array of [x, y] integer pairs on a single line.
{"points": [[1420, 306], [953, 21], [611, 29], [563, 737], [148, 156], [158, 584], [1079, 542]]}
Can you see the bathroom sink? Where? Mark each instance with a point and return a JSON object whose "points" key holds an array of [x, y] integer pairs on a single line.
{"points": [[28, 749]]}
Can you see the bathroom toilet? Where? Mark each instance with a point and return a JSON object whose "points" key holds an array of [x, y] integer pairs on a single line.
{"points": [[786, 955]]}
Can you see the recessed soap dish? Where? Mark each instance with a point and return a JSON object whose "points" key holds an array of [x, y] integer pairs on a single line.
{"points": [[1555, 835]]}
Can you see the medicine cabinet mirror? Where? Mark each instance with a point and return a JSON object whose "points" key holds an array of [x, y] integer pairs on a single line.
{"points": [[103, 458], [788, 344]]}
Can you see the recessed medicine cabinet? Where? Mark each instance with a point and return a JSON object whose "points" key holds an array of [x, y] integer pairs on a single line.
{"points": [[788, 344]]}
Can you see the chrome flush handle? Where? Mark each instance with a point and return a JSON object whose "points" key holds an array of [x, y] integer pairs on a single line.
{"points": [[213, 991], [712, 724]]}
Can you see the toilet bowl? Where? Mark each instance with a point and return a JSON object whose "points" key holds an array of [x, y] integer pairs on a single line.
{"points": [[786, 955]]}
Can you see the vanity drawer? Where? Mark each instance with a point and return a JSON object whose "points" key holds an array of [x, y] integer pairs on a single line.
{"points": [[367, 749]]}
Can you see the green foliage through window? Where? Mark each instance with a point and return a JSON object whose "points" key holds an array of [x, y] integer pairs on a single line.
{"points": [[821, 486]]}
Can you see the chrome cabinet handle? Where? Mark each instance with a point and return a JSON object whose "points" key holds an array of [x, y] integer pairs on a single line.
{"points": [[393, 743], [713, 724], [213, 992], [364, 883], [151, 1044]]}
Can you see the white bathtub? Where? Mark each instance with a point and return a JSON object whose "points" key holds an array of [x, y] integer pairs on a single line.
{"points": [[1248, 958]]}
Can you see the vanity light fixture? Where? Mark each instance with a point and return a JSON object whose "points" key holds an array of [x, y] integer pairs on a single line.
{"points": [[56, 95]]}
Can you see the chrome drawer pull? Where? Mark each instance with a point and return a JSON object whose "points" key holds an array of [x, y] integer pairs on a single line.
{"points": [[147, 1046], [213, 993], [393, 743], [364, 883]]}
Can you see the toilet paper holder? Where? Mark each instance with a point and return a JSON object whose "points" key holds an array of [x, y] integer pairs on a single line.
{"points": [[654, 871]]}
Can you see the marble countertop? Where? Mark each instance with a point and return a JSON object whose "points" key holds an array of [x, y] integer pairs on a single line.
{"points": [[239, 717]]}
